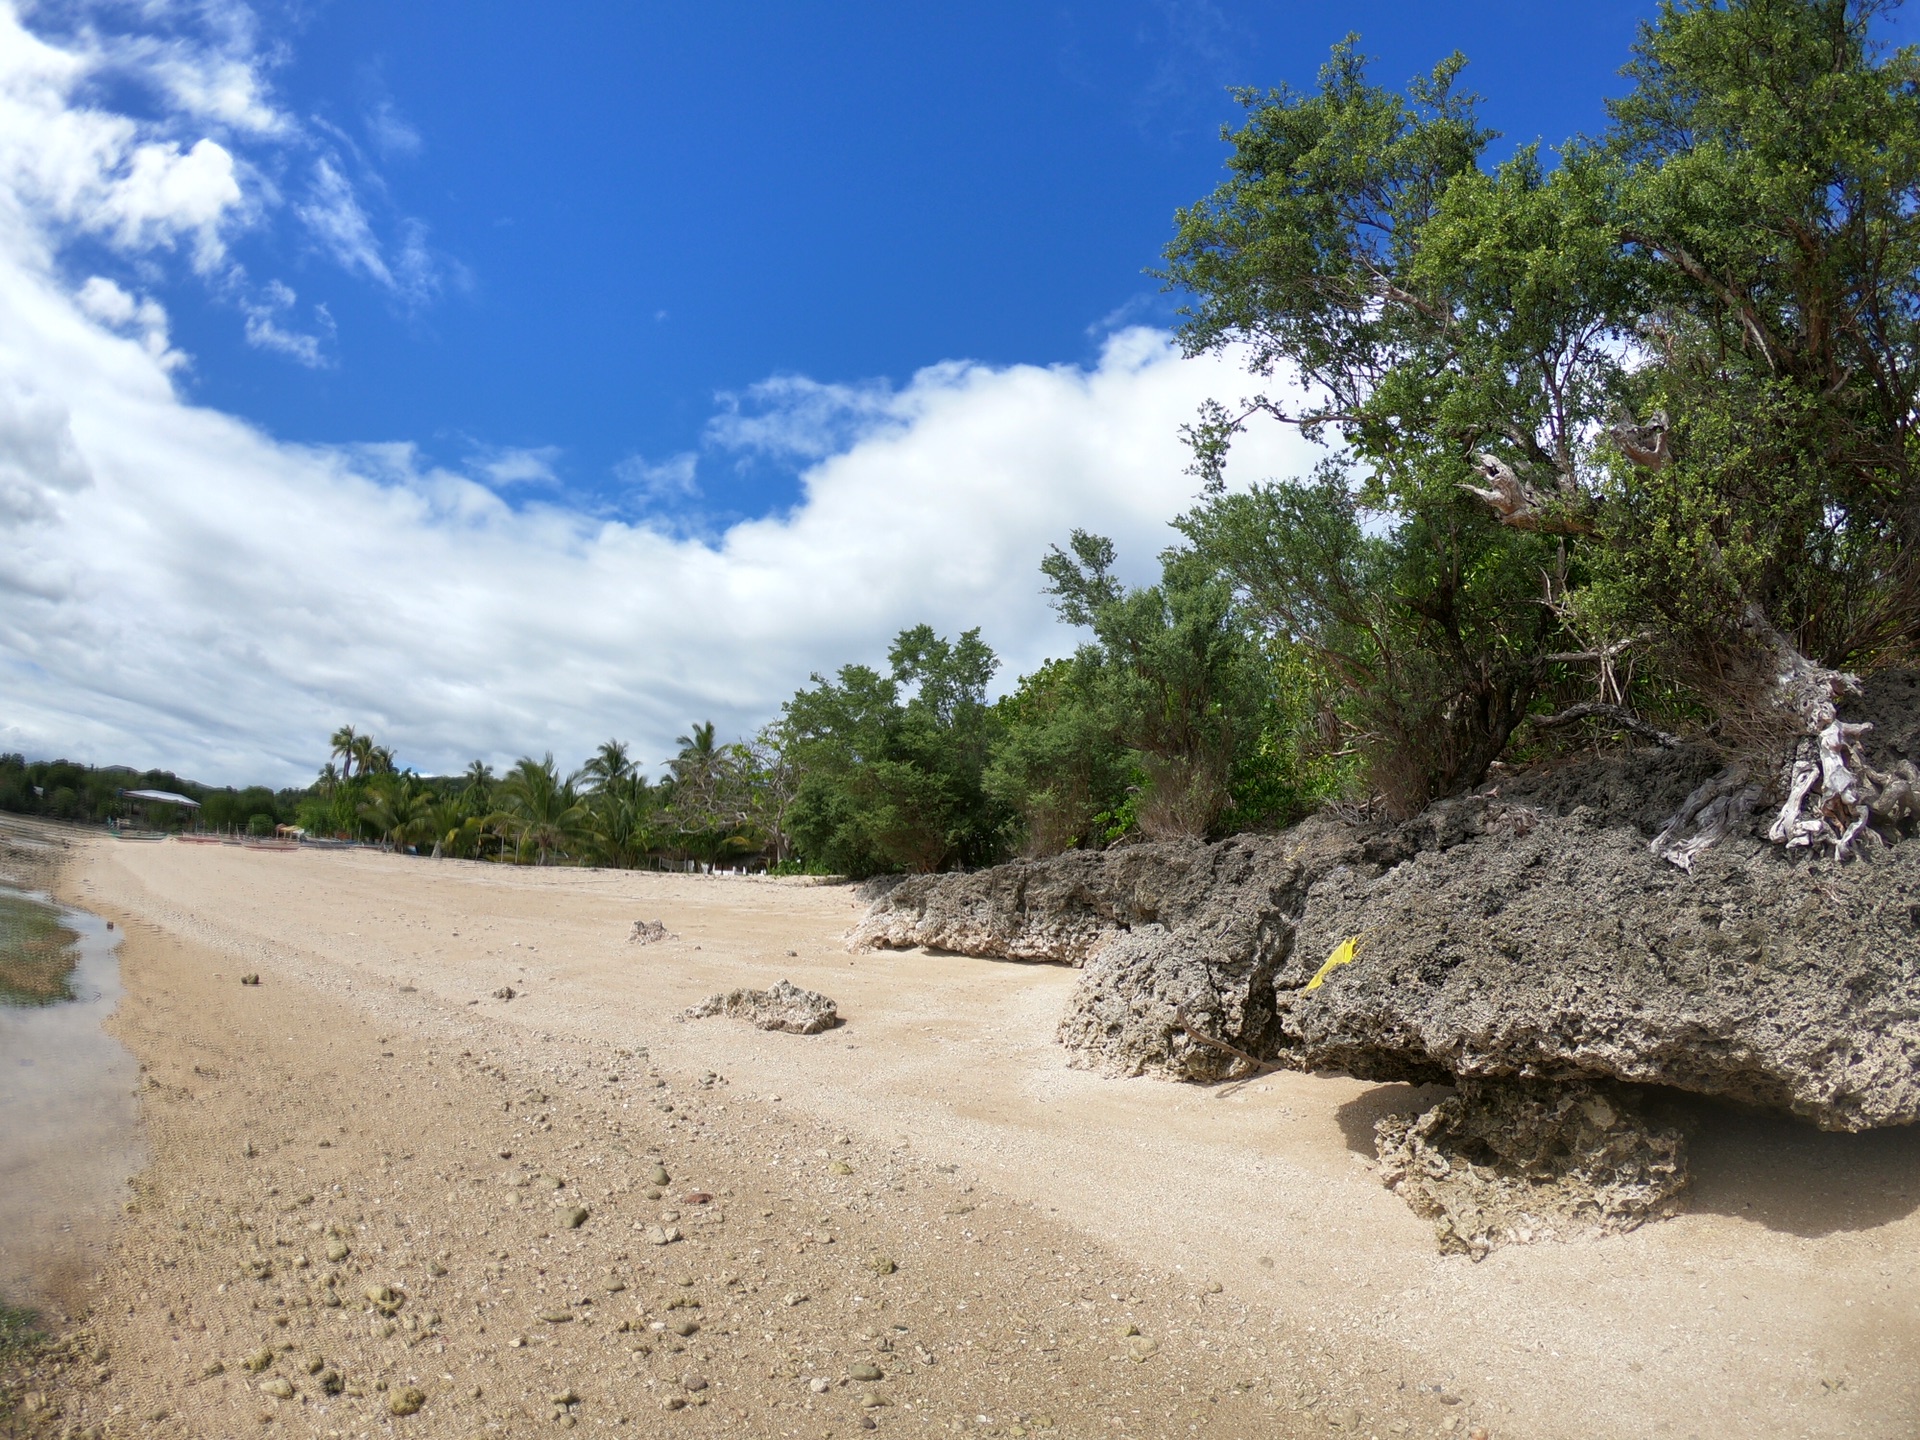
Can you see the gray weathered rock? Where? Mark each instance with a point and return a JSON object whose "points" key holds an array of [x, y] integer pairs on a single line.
{"points": [[784, 1007], [1512, 1162], [648, 932], [1523, 932]]}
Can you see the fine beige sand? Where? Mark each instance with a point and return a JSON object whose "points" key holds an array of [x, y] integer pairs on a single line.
{"points": [[372, 1100]]}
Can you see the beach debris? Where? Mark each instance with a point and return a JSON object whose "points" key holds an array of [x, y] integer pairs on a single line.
{"points": [[505, 992], [865, 1371], [384, 1298], [337, 1251], [332, 1382], [406, 1401], [693, 1383], [660, 1176], [881, 1264], [279, 1387], [211, 1369], [1514, 1161], [649, 932], [785, 1007], [576, 1217], [662, 1234], [259, 1360], [250, 978]]}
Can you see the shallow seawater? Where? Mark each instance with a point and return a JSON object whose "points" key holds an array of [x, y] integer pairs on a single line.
{"points": [[69, 1120], [38, 952]]}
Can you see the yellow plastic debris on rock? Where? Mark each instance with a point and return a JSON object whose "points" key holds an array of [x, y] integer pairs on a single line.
{"points": [[1342, 955]]}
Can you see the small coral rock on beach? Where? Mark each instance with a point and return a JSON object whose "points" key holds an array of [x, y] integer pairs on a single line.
{"points": [[648, 932], [785, 1007]]}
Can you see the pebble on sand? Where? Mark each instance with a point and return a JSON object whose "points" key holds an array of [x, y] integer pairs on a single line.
{"points": [[881, 1265], [662, 1234], [406, 1402], [866, 1373], [278, 1387], [576, 1217]]}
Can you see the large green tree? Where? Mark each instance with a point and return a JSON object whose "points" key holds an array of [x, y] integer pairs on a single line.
{"points": [[1676, 367], [892, 766]]}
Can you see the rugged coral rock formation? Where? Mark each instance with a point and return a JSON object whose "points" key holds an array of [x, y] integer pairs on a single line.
{"points": [[1533, 943], [1511, 1162], [784, 1007]]}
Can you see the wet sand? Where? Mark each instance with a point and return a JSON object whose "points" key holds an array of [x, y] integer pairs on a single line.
{"points": [[1034, 1212]]}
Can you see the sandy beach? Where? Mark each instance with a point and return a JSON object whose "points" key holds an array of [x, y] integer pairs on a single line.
{"points": [[369, 1174]]}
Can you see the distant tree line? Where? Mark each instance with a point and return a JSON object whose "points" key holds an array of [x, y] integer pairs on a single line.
{"points": [[68, 790]]}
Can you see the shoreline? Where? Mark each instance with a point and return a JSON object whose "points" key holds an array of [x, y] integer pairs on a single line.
{"points": [[1033, 1212], [421, 1145]]}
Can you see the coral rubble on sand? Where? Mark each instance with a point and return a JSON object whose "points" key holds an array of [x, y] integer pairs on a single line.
{"points": [[784, 1007]]}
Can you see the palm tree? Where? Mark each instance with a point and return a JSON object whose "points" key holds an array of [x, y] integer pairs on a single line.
{"points": [[379, 760], [328, 780], [609, 765], [697, 753], [399, 810], [477, 793], [544, 810], [345, 745]]}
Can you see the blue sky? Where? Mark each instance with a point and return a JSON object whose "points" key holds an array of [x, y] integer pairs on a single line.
{"points": [[499, 379], [633, 209]]}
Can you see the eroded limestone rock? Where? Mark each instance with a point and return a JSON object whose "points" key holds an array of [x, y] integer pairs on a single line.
{"points": [[785, 1006], [1506, 1162]]}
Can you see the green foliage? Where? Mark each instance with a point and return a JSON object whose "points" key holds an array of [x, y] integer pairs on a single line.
{"points": [[1059, 762], [1676, 371], [892, 768], [1421, 640], [1172, 675]]}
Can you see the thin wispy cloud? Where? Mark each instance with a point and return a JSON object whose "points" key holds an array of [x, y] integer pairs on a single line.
{"points": [[532, 465], [392, 134], [656, 483], [269, 326], [790, 417]]}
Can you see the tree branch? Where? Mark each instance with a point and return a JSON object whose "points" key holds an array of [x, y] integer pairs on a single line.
{"points": [[1621, 717], [1260, 1066]]}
